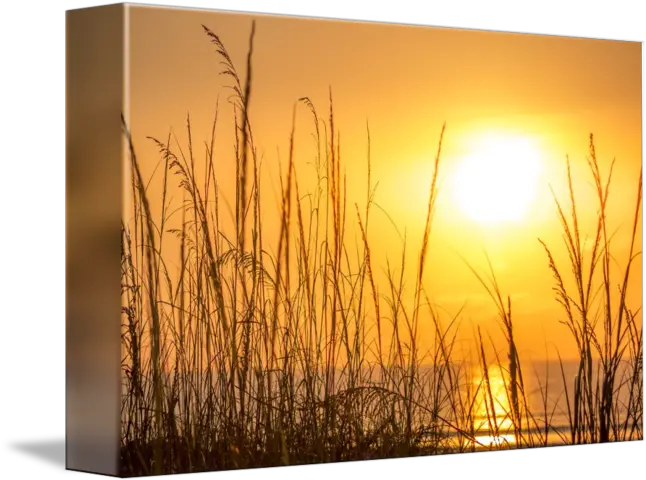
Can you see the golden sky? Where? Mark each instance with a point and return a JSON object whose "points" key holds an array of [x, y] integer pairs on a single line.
{"points": [[517, 98]]}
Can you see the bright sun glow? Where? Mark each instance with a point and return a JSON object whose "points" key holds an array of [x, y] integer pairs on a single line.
{"points": [[498, 182]]}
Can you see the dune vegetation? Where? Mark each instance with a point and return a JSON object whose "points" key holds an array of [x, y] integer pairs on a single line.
{"points": [[242, 358]]}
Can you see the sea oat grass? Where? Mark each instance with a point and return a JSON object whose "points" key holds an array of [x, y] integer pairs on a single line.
{"points": [[263, 351]]}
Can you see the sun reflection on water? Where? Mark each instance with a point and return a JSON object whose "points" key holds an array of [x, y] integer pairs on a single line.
{"points": [[489, 441], [493, 425]]}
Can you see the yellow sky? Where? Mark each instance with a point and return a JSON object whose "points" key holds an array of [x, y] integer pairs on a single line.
{"points": [[406, 82]]}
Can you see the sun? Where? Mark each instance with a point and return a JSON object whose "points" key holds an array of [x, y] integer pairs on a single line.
{"points": [[498, 182]]}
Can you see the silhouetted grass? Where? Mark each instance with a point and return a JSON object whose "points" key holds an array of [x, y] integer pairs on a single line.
{"points": [[240, 358]]}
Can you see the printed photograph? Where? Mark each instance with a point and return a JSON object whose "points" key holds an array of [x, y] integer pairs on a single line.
{"points": [[347, 240]]}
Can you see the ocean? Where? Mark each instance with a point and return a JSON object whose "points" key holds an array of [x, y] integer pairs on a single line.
{"points": [[546, 401]]}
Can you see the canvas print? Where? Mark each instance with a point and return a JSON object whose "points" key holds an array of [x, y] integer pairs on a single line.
{"points": [[345, 240]]}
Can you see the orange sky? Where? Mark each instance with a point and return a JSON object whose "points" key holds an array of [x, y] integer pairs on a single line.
{"points": [[406, 81]]}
